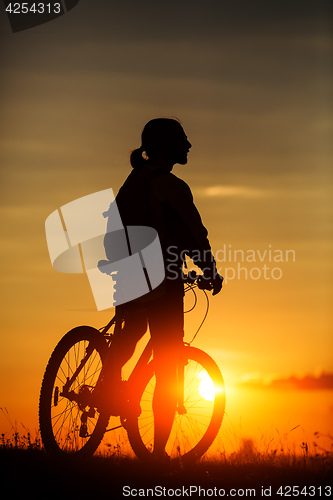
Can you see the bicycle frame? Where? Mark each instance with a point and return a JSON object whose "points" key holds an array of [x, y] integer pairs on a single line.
{"points": [[133, 378], [144, 360]]}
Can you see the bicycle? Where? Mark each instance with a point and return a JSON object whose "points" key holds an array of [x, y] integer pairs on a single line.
{"points": [[70, 424]]}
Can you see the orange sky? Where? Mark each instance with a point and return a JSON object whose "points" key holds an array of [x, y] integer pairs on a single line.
{"points": [[252, 93]]}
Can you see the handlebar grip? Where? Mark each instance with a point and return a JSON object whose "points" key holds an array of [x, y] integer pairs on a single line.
{"points": [[203, 284], [190, 277]]}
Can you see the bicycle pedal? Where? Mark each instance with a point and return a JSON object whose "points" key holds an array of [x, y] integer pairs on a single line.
{"points": [[91, 412], [181, 410], [83, 433]]}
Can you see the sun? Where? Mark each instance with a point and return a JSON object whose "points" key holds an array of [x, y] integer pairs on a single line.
{"points": [[207, 389]]}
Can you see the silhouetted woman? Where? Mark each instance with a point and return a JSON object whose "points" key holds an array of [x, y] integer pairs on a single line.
{"points": [[153, 196]]}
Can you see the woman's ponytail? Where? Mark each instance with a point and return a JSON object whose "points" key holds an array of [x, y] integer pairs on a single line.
{"points": [[136, 158]]}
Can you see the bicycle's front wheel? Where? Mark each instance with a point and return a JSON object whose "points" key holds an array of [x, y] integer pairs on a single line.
{"points": [[196, 424], [68, 424]]}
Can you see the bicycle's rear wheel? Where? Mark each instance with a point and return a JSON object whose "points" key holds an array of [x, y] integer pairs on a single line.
{"points": [[68, 424], [193, 432]]}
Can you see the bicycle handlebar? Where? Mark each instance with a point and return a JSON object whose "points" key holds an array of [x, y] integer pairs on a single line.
{"points": [[191, 278], [194, 278]]}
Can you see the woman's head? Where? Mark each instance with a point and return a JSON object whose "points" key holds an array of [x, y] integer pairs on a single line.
{"points": [[163, 142]]}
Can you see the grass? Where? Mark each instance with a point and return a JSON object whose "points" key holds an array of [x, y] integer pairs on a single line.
{"points": [[269, 463], [26, 468]]}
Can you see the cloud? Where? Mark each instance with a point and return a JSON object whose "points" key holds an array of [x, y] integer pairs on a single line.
{"points": [[308, 382], [323, 381], [223, 191], [280, 191]]}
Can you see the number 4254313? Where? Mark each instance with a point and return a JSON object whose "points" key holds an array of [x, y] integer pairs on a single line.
{"points": [[35, 8], [311, 491]]}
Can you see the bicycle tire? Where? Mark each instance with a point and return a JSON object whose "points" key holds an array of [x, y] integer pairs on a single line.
{"points": [[60, 419], [192, 433]]}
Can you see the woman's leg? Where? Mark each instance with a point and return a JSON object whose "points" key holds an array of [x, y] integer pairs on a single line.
{"points": [[131, 325], [166, 322]]}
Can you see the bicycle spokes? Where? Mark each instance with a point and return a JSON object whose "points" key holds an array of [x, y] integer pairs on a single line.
{"points": [[199, 413], [74, 383], [68, 419]]}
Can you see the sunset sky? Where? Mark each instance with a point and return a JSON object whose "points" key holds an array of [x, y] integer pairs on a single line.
{"points": [[251, 82]]}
